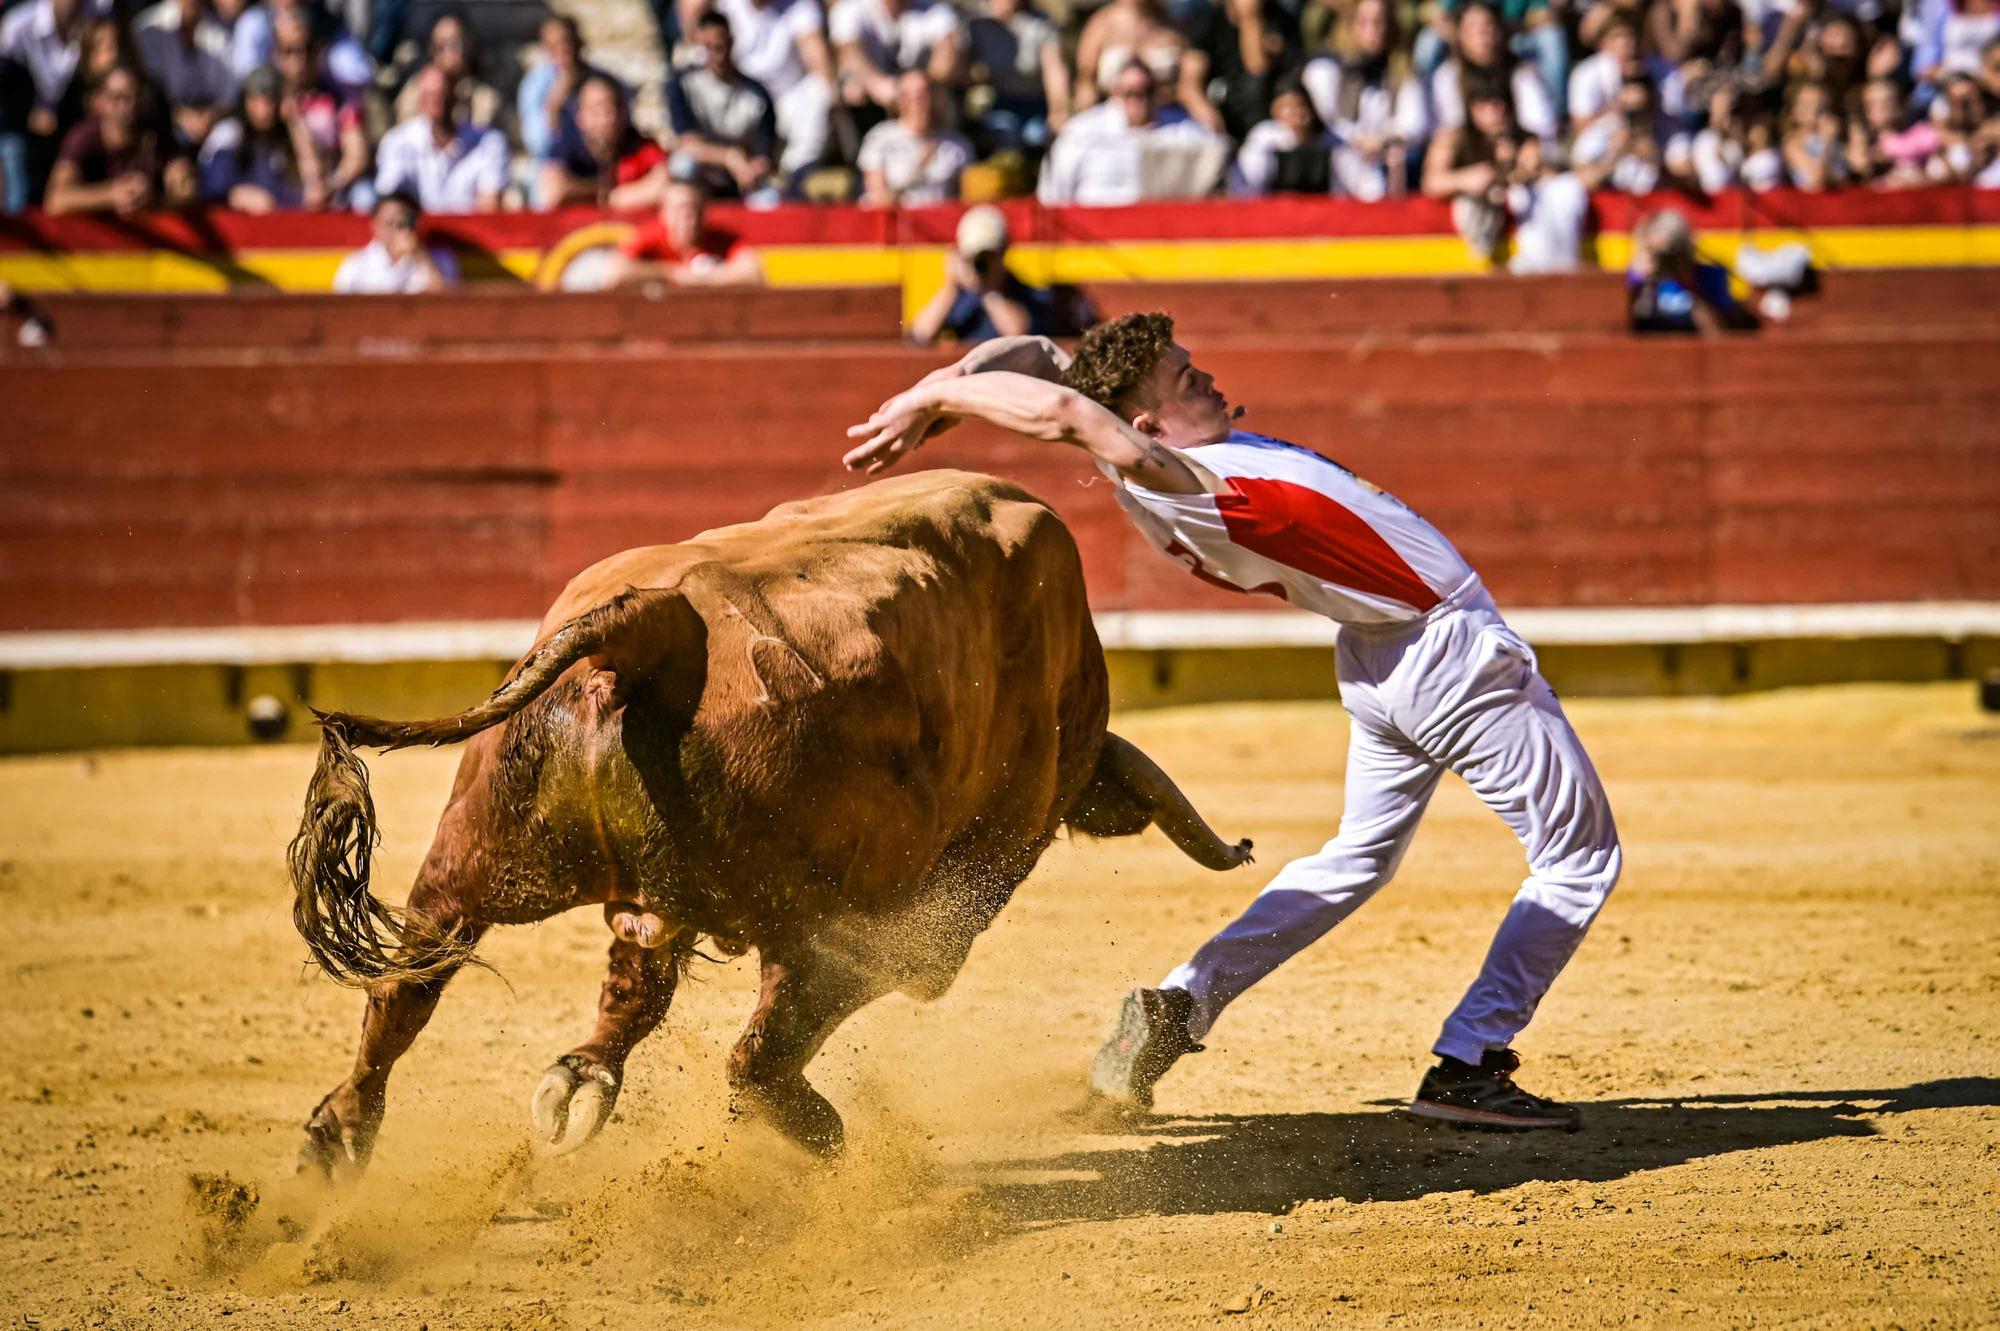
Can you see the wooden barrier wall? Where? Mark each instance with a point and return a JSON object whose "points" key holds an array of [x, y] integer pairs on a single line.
{"points": [[1577, 469]]}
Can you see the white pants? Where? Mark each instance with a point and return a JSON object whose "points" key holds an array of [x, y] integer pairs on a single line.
{"points": [[804, 111], [1457, 690]]}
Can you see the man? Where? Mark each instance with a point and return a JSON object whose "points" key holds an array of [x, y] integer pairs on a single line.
{"points": [[600, 158], [680, 247], [780, 44], [545, 103], [981, 298], [114, 162], [1669, 289], [187, 53], [875, 39], [910, 161], [41, 43], [1112, 154], [396, 262], [725, 126], [1432, 676], [449, 164]]}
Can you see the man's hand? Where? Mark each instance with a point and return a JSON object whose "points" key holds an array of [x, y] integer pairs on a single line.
{"points": [[897, 429]]}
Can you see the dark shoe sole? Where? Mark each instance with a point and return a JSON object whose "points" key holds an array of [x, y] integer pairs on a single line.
{"points": [[1111, 1070], [1485, 1120]]}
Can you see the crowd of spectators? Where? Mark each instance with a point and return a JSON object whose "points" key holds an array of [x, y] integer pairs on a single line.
{"points": [[1514, 109]]}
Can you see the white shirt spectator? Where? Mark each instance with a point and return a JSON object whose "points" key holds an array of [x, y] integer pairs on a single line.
{"points": [[1099, 159], [28, 37], [1533, 110], [1632, 174], [1594, 84], [894, 41], [1549, 218], [1721, 161], [450, 179], [370, 271], [1256, 165], [196, 74], [919, 171], [1379, 112], [766, 39], [250, 45]]}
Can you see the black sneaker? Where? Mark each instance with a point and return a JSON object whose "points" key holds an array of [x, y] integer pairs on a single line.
{"points": [[1151, 1034], [1485, 1096]]}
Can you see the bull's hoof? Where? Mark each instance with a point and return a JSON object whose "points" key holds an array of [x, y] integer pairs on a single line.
{"points": [[572, 1103], [330, 1149], [799, 1112]]}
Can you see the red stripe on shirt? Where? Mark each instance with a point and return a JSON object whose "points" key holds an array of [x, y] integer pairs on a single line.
{"points": [[1301, 528]]}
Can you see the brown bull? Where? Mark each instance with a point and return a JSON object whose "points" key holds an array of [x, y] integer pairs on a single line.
{"points": [[841, 735]]}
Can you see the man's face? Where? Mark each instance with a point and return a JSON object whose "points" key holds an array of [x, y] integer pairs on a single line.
{"points": [[1134, 93], [1371, 26], [434, 95], [1185, 407], [682, 211], [597, 113], [1479, 36], [714, 44], [291, 48], [559, 44], [395, 227], [1621, 44]]}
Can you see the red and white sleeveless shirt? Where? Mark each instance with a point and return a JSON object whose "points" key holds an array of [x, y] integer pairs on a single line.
{"points": [[1303, 529]]}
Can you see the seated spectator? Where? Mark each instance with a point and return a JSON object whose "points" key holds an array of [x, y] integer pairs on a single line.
{"points": [[1109, 155], [449, 46], [546, 103], [1366, 94], [779, 43], [1539, 36], [1815, 140], [449, 164], [604, 160], [1482, 58], [1947, 36], [1596, 83], [1734, 149], [1968, 137], [186, 53], [981, 297], [1669, 289], [1634, 149], [114, 162], [1247, 47], [679, 247], [1884, 151], [259, 159], [1018, 54], [1291, 153], [344, 64], [1549, 210], [41, 47], [329, 117], [909, 160], [873, 39], [1471, 165], [396, 262], [1127, 30], [724, 124]]}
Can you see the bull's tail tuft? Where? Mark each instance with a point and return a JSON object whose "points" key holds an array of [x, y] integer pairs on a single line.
{"points": [[355, 938], [1128, 791]]}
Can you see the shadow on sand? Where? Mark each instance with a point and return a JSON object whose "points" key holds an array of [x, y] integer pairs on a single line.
{"points": [[1272, 1162]]}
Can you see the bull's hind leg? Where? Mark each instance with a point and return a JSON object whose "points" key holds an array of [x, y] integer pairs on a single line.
{"points": [[341, 1133], [577, 1093], [805, 994]]}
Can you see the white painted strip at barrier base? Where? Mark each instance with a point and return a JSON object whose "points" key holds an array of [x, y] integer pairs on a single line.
{"points": [[1146, 630]]}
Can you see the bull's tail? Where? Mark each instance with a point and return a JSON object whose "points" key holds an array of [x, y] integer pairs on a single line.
{"points": [[356, 938], [1128, 790]]}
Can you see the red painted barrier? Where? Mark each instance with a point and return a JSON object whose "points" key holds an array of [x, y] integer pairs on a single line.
{"points": [[1573, 470]]}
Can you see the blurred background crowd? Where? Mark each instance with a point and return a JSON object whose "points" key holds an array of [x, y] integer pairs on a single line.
{"points": [[1514, 112]]}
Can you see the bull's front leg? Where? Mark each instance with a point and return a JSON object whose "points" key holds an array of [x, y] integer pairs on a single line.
{"points": [[804, 995], [577, 1093]]}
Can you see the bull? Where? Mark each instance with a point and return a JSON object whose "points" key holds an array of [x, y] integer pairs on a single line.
{"points": [[841, 735]]}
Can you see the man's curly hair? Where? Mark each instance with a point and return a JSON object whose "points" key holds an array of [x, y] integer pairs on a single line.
{"points": [[1114, 360]]}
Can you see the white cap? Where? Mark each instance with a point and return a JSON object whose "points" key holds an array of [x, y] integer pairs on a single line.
{"points": [[983, 230]]}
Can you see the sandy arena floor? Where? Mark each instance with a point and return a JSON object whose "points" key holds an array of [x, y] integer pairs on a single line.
{"points": [[1784, 1031]]}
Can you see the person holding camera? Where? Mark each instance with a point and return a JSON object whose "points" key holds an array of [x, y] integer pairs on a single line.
{"points": [[981, 297], [1671, 289]]}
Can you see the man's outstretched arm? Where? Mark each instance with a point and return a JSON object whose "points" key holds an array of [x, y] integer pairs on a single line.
{"points": [[1026, 406]]}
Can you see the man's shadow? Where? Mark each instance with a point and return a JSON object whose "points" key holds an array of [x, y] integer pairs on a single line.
{"points": [[1272, 1162]]}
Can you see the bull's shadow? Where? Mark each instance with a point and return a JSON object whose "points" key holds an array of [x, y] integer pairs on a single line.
{"points": [[1271, 1162]]}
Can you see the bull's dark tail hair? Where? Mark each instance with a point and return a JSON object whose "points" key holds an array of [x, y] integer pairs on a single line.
{"points": [[354, 937]]}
